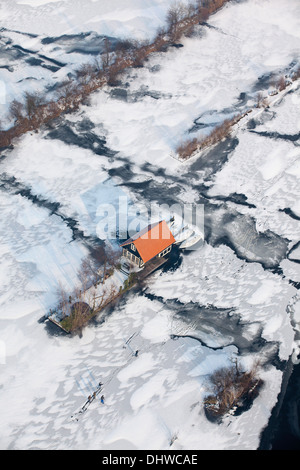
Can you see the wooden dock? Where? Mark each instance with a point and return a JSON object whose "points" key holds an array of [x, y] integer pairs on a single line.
{"points": [[151, 267]]}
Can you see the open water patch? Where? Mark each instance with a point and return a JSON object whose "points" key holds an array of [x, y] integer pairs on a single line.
{"points": [[88, 43], [235, 198], [218, 328], [290, 253], [238, 231], [11, 185], [149, 190], [81, 135], [283, 429], [289, 212], [212, 160], [122, 94], [277, 135]]}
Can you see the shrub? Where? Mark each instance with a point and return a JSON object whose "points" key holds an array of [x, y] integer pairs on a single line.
{"points": [[79, 316], [281, 84], [260, 100], [187, 148], [16, 110], [231, 388]]}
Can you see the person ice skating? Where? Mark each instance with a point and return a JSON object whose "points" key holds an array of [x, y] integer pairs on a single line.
{"points": [[102, 399], [136, 353]]}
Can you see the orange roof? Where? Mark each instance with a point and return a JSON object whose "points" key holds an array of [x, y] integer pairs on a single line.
{"points": [[152, 240]]}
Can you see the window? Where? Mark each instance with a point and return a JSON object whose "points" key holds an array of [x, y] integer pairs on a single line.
{"points": [[134, 259], [166, 251], [133, 247]]}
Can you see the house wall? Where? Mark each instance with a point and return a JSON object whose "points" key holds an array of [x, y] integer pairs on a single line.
{"points": [[133, 255]]}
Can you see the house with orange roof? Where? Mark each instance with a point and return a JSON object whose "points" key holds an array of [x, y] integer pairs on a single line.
{"points": [[154, 241]]}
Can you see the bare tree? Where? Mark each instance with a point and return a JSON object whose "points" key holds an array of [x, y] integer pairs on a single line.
{"points": [[85, 73], [125, 47], [106, 55], [52, 110], [202, 12], [187, 148], [140, 52], [281, 83], [16, 110], [174, 16], [230, 386], [33, 107], [80, 312], [64, 301], [98, 65]]}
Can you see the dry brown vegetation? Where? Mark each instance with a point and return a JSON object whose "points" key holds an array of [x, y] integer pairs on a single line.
{"points": [[261, 100], [231, 388], [35, 110], [187, 148], [75, 309], [281, 84]]}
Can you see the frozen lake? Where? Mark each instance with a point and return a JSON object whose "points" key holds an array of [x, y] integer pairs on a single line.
{"points": [[234, 296]]}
